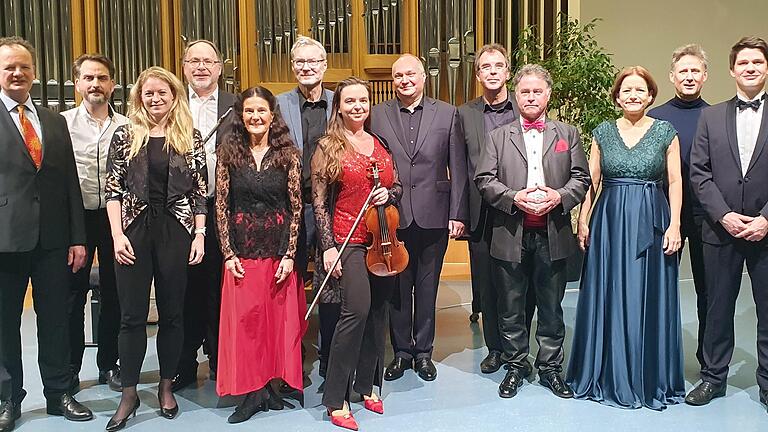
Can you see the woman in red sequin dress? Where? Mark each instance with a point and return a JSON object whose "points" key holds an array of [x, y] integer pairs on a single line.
{"points": [[340, 186], [258, 211]]}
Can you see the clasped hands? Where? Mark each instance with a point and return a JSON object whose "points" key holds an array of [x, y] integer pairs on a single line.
{"points": [[537, 200], [750, 228]]}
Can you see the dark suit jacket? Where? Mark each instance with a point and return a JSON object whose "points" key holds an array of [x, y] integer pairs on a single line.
{"points": [[503, 171], [472, 120], [430, 196], [225, 101], [716, 171], [39, 206]]}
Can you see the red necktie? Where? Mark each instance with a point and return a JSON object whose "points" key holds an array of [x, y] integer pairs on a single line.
{"points": [[528, 125], [31, 140]]}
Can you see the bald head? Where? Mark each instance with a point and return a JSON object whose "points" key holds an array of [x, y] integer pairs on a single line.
{"points": [[408, 78]]}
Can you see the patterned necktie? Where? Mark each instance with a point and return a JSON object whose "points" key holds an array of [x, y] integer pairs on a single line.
{"points": [[31, 140], [528, 125]]}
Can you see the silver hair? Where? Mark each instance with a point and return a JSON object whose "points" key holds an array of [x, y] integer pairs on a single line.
{"points": [[532, 69], [691, 49], [305, 41]]}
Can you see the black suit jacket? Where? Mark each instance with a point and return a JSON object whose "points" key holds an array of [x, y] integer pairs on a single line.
{"points": [[472, 118], [39, 206], [430, 196], [716, 175], [226, 100]]}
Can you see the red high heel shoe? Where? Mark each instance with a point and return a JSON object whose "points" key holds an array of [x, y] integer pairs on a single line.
{"points": [[375, 406], [345, 421]]}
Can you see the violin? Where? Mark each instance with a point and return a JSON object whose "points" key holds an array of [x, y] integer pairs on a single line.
{"points": [[386, 255]]}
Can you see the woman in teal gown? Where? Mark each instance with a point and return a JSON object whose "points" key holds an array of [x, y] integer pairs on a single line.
{"points": [[627, 346]]}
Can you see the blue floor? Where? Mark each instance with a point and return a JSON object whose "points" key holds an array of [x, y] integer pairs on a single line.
{"points": [[461, 398]]}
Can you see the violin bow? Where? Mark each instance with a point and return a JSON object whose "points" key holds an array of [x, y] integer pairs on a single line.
{"points": [[218, 123]]}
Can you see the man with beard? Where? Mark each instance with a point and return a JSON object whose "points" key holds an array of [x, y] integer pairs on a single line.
{"points": [[202, 69], [91, 126], [306, 110]]}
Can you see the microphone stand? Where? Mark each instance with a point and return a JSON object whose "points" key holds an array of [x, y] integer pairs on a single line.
{"points": [[341, 250], [218, 123]]}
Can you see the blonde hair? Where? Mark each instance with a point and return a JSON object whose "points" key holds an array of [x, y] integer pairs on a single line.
{"points": [[334, 143], [178, 127]]}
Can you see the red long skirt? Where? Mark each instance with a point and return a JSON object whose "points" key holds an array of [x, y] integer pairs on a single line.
{"points": [[260, 330]]}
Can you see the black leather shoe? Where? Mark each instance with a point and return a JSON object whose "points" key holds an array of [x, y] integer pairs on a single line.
{"points": [[704, 393], [184, 380], [68, 407], [115, 425], [396, 369], [111, 378], [474, 317], [9, 413], [511, 383], [554, 382], [253, 403], [491, 363], [169, 413], [426, 369]]}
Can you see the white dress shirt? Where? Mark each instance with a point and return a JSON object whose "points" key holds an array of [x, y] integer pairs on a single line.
{"points": [[534, 143], [747, 127], [30, 112], [90, 144], [205, 116]]}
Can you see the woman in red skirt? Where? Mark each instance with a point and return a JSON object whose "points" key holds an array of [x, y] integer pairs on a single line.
{"points": [[258, 211]]}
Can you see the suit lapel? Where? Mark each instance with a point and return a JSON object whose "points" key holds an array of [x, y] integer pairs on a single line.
{"points": [[393, 112], [730, 128], [329, 104], [516, 135], [550, 134], [7, 124], [479, 121], [427, 117], [42, 116], [762, 136], [294, 110]]}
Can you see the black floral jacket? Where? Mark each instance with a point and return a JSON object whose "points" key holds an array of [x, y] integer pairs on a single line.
{"points": [[127, 180]]}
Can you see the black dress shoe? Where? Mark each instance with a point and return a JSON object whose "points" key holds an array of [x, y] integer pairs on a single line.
{"points": [[68, 407], [9, 413], [169, 413], [115, 425], [704, 393], [396, 369], [183, 380], [554, 382], [253, 403], [511, 383], [426, 369], [491, 363], [474, 317], [111, 378]]}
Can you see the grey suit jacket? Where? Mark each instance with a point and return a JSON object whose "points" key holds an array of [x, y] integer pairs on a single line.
{"points": [[503, 171], [39, 206], [472, 120], [716, 175], [430, 196], [288, 103]]}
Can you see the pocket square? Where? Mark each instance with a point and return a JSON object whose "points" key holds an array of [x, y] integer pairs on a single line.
{"points": [[561, 146]]}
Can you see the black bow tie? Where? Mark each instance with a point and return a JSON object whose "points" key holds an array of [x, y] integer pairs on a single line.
{"points": [[754, 104]]}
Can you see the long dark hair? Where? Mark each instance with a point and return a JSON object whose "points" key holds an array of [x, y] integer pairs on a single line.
{"points": [[235, 150]]}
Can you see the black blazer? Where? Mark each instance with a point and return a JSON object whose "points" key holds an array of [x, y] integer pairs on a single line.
{"points": [[430, 196], [716, 175], [39, 206], [226, 100], [472, 120]]}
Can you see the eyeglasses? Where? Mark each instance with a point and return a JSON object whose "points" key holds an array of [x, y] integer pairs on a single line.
{"points": [[487, 67], [313, 63], [205, 62]]}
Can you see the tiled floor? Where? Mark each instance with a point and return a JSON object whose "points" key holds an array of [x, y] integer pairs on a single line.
{"points": [[459, 400]]}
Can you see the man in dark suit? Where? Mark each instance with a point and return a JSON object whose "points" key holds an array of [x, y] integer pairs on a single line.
{"points": [[306, 110], [202, 69], [729, 174], [495, 108], [41, 212], [426, 141], [533, 172]]}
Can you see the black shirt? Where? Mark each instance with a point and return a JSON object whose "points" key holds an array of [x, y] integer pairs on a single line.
{"points": [[411, 122], [314, 120], [157, 181], [499, 114]]}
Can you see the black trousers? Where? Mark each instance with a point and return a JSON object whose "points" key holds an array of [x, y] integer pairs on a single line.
{"points": [[161, 246], [357, 351], [99, 239], [487, 295], [536, 272], [691, 230], [202, 304], [328, 314], [51, 281], [723, 283], [412, 311]]}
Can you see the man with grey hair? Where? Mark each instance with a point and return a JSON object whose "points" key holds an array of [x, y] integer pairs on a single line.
{"points": [[306, 110], [688, 73], [532, 172]]}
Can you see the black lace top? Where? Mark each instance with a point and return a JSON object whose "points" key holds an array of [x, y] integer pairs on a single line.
{"points": [[258, 212]]}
